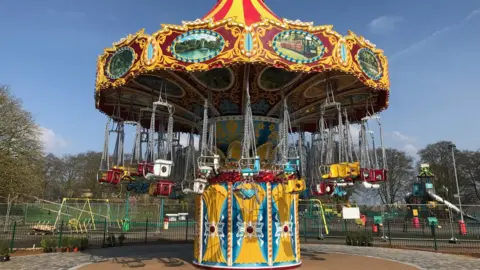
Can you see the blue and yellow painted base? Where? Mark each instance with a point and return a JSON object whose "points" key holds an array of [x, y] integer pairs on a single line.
{"points": [[236, 232]]}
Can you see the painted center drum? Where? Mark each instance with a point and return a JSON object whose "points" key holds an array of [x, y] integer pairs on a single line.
{"points": [[253, 230]]}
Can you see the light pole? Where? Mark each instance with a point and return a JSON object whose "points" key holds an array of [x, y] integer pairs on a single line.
{"points": [[452, 240], [452, 147]]}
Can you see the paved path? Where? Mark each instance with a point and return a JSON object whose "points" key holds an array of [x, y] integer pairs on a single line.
{"points": [[65, 261]]}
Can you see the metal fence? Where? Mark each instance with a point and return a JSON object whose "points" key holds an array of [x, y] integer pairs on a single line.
{"points": [[388, 226]]}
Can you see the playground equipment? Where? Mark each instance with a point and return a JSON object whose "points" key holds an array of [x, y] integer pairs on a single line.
{"points": [[422, 202], [79, 218], [244, 80]]}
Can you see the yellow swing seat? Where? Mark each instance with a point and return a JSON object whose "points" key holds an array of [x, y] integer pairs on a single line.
{"points": [[354, 168], [295, 186]]}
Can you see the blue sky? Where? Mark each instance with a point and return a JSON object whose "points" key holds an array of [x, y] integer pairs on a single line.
{"points": [[49, 51]]}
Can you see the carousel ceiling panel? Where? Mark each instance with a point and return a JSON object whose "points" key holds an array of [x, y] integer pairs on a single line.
{"points": [[218, 79], [158, 84]]}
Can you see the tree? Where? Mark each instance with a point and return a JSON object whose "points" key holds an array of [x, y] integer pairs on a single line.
{"points": [[468, 164], [400, 176], [21, 157], [439, 157]]}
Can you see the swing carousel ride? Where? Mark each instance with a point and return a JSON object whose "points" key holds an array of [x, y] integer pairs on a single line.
{"points": [[251, 85]]}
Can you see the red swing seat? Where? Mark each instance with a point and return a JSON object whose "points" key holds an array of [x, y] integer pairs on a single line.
{"points": [[164, 188], [114, 176], [144, 168], [373, 175], [367, 175], [380, 175], [323, 188]]}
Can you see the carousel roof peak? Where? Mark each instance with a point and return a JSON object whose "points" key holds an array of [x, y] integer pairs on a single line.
{"points": [[246, 12]]}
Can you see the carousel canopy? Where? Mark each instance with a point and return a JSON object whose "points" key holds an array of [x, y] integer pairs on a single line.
{"points": [[208, 59], [245, 12]]}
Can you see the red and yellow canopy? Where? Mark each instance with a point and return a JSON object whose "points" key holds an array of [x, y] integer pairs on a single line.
{"points": [[246, 12]]}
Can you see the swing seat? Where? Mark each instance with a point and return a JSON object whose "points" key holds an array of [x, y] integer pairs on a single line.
{"points": [[206, 170], [333, 172], [145, 168], [139, 188], [354, 170], [367, 175], [343, 170], [340, 192], [324, 171], [162, 168], [320, 189], [212, 162], [380, 175], [292, 165], [199, 185], [114, 175], [295, 186], [247, 171], [164, 188]]}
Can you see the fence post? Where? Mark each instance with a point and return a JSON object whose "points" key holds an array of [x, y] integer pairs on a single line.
{"points": [[186, 231], [434, 237], [389, 233], [305, 228], [60, 235], [104, 232], [12, 242], [25, 209], [146, 230]]}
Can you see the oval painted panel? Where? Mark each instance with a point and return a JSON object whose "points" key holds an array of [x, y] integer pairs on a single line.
{"points": [[121, 62], [197, 46], [298, 46], [369, 63]]}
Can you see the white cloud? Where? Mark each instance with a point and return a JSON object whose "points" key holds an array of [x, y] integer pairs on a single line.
{"points": [[400, 137], [384, 24], [441, 31], [410, 149], [404, 142], [52, 142]]}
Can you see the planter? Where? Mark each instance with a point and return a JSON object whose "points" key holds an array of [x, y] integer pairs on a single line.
{"points": [[75, 249], [5, 258]]}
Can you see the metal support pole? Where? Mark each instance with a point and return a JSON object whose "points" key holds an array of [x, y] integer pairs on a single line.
{"points": [[456, 181]]}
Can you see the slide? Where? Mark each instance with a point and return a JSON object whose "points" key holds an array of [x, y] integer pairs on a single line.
{"points": [[449, 205]]}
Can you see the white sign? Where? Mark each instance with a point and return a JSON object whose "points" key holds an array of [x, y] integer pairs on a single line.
{"points": [[351, 213]]}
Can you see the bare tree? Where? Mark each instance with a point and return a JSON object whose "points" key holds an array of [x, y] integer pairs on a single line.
{"points": [[468, 163], [400, 176], [439, 156], [21, 157]]}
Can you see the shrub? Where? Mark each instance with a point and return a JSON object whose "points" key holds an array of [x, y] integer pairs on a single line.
{"points": [[121, 239], [48, 244], [4, 249], [111, 240], [359, 239]]}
